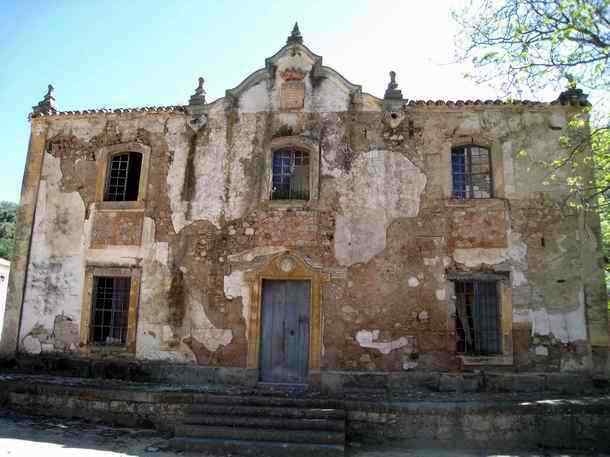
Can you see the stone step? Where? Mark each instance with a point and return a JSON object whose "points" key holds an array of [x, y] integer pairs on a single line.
{"points": [[262, 411], [261, 400], [268, 422], [256, 448], [260, 434]]}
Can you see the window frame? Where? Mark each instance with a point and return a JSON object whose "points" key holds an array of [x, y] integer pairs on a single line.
{"points": [[468, 189], [294, 151], [505, 302], [103, 157], [300, 143], [87, 344], [474, 325], [123, 313], [109, 177]]}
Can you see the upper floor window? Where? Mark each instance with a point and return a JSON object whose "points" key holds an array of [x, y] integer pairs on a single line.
{"points": [[290, 175], [471, 172], [123, 177], [478, 317]]}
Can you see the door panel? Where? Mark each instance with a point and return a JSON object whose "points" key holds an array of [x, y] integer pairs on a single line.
{"points": [[285, 331]]}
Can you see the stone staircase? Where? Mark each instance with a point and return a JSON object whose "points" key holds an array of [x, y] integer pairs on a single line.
{"points": [[263, 426]]}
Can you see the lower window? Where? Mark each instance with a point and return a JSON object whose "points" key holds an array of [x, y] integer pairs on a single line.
{"points": [[110, 309], [478, 317]]}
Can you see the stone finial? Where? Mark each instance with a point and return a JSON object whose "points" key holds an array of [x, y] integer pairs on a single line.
{"points": [[47, 104], [573, 95], [198, 98], [393, 92], [295, 36]]}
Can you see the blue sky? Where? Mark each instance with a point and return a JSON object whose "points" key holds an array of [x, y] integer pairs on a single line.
{"points": [[110, 53]]}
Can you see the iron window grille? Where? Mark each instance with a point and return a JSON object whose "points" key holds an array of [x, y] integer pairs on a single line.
{"points": [[290, 175], [110, 310], [478, 317], [123, 177], [471, 172]]}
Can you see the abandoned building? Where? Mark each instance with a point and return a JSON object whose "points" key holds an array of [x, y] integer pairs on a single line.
{"points": [[300, 230]]}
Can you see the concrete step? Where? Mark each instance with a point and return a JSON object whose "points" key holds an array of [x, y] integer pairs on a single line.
{"points": [[304, 423], [257, 448], [261, 400], [260, 434], [262, 411]]}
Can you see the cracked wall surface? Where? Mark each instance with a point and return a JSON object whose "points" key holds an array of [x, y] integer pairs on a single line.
{"points": [[381, 223]]}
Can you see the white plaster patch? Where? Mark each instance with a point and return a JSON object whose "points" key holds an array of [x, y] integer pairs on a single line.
{"points": [[508, 168], [380, 187], [565, 326], [542, 351], [441, 294], [519, 278], [409, 365], [31, 345], [413, 282], [368, 339], [471, 125], [257, 98], [235, 286], [557, 120], [515, 253], [430, 261], [55, 273]]}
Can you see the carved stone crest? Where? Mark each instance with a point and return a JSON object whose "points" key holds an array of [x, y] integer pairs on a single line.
{"points": [[287, 264], [292, 74]]}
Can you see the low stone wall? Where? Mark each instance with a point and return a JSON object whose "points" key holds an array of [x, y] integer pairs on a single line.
{"points": [[409, 384], [478, 421], [392, 385], [499, 424]]}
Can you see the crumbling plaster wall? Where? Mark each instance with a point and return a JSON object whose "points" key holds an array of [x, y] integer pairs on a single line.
{"points": [[383, 218]]}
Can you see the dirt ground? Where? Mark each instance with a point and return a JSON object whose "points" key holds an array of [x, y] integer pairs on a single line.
{"points": [[29, 436]]}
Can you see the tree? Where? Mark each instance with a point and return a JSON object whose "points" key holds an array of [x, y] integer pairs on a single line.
{"points": [[529, 44], [524, 46], [8, 215]]}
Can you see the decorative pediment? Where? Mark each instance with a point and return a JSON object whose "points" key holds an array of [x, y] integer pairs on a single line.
{"points": [[293, 62]]}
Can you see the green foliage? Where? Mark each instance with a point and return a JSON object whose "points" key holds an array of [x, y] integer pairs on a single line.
{"points": [[8, 216], [529, 44]]}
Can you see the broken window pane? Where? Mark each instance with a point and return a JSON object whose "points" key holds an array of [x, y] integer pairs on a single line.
{"points": [[478, 317], [123, 180], [290, 175], [471, 172], [110, 309]]}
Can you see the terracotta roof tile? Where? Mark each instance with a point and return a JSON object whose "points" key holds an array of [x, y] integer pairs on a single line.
{"points": [[143, 109], [419, 103]]}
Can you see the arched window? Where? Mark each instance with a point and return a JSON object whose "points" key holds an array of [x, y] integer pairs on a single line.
{"points": [[290, 174], [123, 177], [471, 172]]}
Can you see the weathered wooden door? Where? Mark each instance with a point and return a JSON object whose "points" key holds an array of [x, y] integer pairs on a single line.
{"points": [[285, 331]]}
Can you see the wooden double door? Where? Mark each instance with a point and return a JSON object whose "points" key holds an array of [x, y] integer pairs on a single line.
{"points": [[285, 331]]}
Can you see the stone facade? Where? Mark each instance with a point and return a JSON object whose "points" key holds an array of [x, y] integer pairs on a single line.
{"points": [[380, 238]]}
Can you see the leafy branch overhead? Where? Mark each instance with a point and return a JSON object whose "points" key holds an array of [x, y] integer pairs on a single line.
{"points": [[529, 44], [524, 46]]}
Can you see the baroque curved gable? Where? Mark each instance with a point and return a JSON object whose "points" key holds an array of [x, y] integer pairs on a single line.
{"points": [[292, 73]]}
